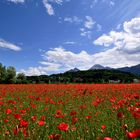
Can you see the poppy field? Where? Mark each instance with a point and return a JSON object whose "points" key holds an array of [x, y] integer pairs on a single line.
{"points": [[70, 112]]}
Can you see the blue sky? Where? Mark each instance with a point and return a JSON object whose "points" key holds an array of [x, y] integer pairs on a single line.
{"points": [[52, 36]]}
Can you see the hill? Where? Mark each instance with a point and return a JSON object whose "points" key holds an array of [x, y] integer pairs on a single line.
{"points": [[87, 76], [133, 69]]}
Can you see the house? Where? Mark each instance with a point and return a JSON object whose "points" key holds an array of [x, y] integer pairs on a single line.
{"points": [[136, 80], [114, 81]]}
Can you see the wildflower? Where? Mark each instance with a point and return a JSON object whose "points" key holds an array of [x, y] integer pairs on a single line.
{"points": [[55, 136], [23, 111], [33, 118], [6, 120], [120, 114], [8, 111], [25, 133], [17, 116], [42, 118], [12, 102], [73, 113], [103, 126], [136, 115], [88, 117], [1, 103], [74, 120], [16, 130], [23, 123], [63, 126], [108, 138], [41, 123], [59, 114], [134, 134]]}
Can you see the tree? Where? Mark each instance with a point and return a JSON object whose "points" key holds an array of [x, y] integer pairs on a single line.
{"points": [[2, 73], [10, 75], [21, 78]]}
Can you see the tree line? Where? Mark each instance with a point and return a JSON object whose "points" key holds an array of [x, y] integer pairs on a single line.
{"points": [[8, 75]]}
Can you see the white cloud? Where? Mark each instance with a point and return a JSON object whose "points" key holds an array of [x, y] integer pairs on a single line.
{"points": [[125, 51], [48, 7], [89, 23], [8, 45], [34, 71], [58, 1], [85, 33], [126, 43], [112, 3], [104, 40], [73, 19], [45, 70], [106, 2], [60, 60], [69, 43], [16, 1], [66, 59], [133, 27], [127, 40]]}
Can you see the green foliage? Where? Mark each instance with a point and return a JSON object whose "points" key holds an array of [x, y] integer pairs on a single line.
{"points": [[8, 76], [93, 76], [2, 73], [21, 78]]}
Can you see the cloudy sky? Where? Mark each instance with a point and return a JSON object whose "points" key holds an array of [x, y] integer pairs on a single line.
{"points": [[52, 36]]}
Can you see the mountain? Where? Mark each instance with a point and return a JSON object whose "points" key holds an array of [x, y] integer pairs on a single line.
{"points": [[99, 67], [86, 76], [133, 69], [93, 76], [74, 70]]}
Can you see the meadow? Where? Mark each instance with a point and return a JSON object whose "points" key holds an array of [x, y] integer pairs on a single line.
{"points": [[70, 112]]}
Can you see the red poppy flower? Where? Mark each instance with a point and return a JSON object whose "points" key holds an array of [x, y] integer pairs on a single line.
{"points": [[25, 133], [120, 115], [12, 102], [136, 115], [16, 130], [55, 136], [74, 120], [131, 135], [134, 134], [1, 103], [33, 118], [73, 113], [41, 123], [103, 126], [88, 117], [17, 116], [23, 111], [8, 111], [6, 120], [59, 114], [108, 138], [47, 100], [38, 99], [23, 123], [63, 126], [42, 118]]}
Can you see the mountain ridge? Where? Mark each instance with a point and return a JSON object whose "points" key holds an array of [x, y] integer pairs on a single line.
{"points": [[132, 69]]}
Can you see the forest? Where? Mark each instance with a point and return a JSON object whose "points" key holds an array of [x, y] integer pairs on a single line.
{"points": [[8, 75]]}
